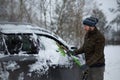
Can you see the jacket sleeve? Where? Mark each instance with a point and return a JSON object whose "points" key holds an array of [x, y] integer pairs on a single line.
{"points": [[80, 50], [98, 52]]}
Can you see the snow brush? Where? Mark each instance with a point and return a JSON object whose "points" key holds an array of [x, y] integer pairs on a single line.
{"points": [[63, 53]]}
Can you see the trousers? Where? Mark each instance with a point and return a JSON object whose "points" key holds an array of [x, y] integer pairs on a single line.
{"points": [[96, 73]]}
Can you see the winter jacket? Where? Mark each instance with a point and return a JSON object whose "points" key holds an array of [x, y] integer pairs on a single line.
{"points": [[93, 48]]}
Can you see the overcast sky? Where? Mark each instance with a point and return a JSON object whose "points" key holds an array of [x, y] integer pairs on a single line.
{"points": [[106, 4]]}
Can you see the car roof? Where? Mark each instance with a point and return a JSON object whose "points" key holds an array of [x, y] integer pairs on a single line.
{"points": [[17, 27]]}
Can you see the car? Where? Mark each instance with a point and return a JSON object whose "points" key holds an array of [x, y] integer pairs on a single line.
{"points": [[28, 52]]}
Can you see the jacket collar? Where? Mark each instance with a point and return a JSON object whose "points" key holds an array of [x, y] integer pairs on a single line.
{"points": [[93, 32]]}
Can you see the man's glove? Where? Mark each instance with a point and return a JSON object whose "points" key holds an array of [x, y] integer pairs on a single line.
{"points": [[69, 52], [84, 67]]}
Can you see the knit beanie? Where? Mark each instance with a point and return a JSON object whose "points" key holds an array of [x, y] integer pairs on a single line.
{"points": [[90, 21]]}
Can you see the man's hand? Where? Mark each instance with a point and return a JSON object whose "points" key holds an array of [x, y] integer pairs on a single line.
{"points": [[69, 52]]}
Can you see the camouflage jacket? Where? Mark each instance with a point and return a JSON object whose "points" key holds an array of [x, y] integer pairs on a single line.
{"points": [[93, 48]]}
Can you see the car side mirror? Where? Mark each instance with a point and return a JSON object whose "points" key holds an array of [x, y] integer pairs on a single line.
{"points": [[73, 48]]}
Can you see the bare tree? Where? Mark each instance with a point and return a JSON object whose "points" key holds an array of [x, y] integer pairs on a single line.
{"points": [[65, 20], [116, 20], [3, 12], [102, 20], [70, 21]]}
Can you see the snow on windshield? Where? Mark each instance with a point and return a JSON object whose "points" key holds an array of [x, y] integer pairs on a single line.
{"points": [[49, 57]]}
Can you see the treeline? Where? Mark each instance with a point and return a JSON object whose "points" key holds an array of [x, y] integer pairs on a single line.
{"points": [[63, 17]]}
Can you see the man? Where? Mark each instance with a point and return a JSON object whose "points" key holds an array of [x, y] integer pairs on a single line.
{"points": [[93, 48]]}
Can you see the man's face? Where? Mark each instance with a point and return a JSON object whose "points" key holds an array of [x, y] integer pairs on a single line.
{"points": [[88, 28]]}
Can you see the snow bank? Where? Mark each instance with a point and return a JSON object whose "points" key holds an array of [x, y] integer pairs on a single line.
{"points": [[112, 57]]}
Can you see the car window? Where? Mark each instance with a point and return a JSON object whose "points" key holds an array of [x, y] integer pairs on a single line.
{"points": [[28, 44], [15, 43]]}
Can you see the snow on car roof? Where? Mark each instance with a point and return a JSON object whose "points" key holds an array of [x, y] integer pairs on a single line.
{"points": [[15, 28]]}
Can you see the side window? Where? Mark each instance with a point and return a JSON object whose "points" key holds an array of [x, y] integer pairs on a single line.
{"points": [[26, 43], [13, 43], [22, 42], [2, 47], [29, 44], [32, 44]]}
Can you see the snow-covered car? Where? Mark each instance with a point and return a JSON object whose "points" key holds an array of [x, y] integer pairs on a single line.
{"points": [[28, 52]]}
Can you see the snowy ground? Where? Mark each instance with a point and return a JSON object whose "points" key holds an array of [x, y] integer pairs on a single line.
{"points": [[112, 56]]}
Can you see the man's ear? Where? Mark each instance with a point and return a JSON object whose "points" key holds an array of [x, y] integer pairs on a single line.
{"points": [[92, 28]]}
